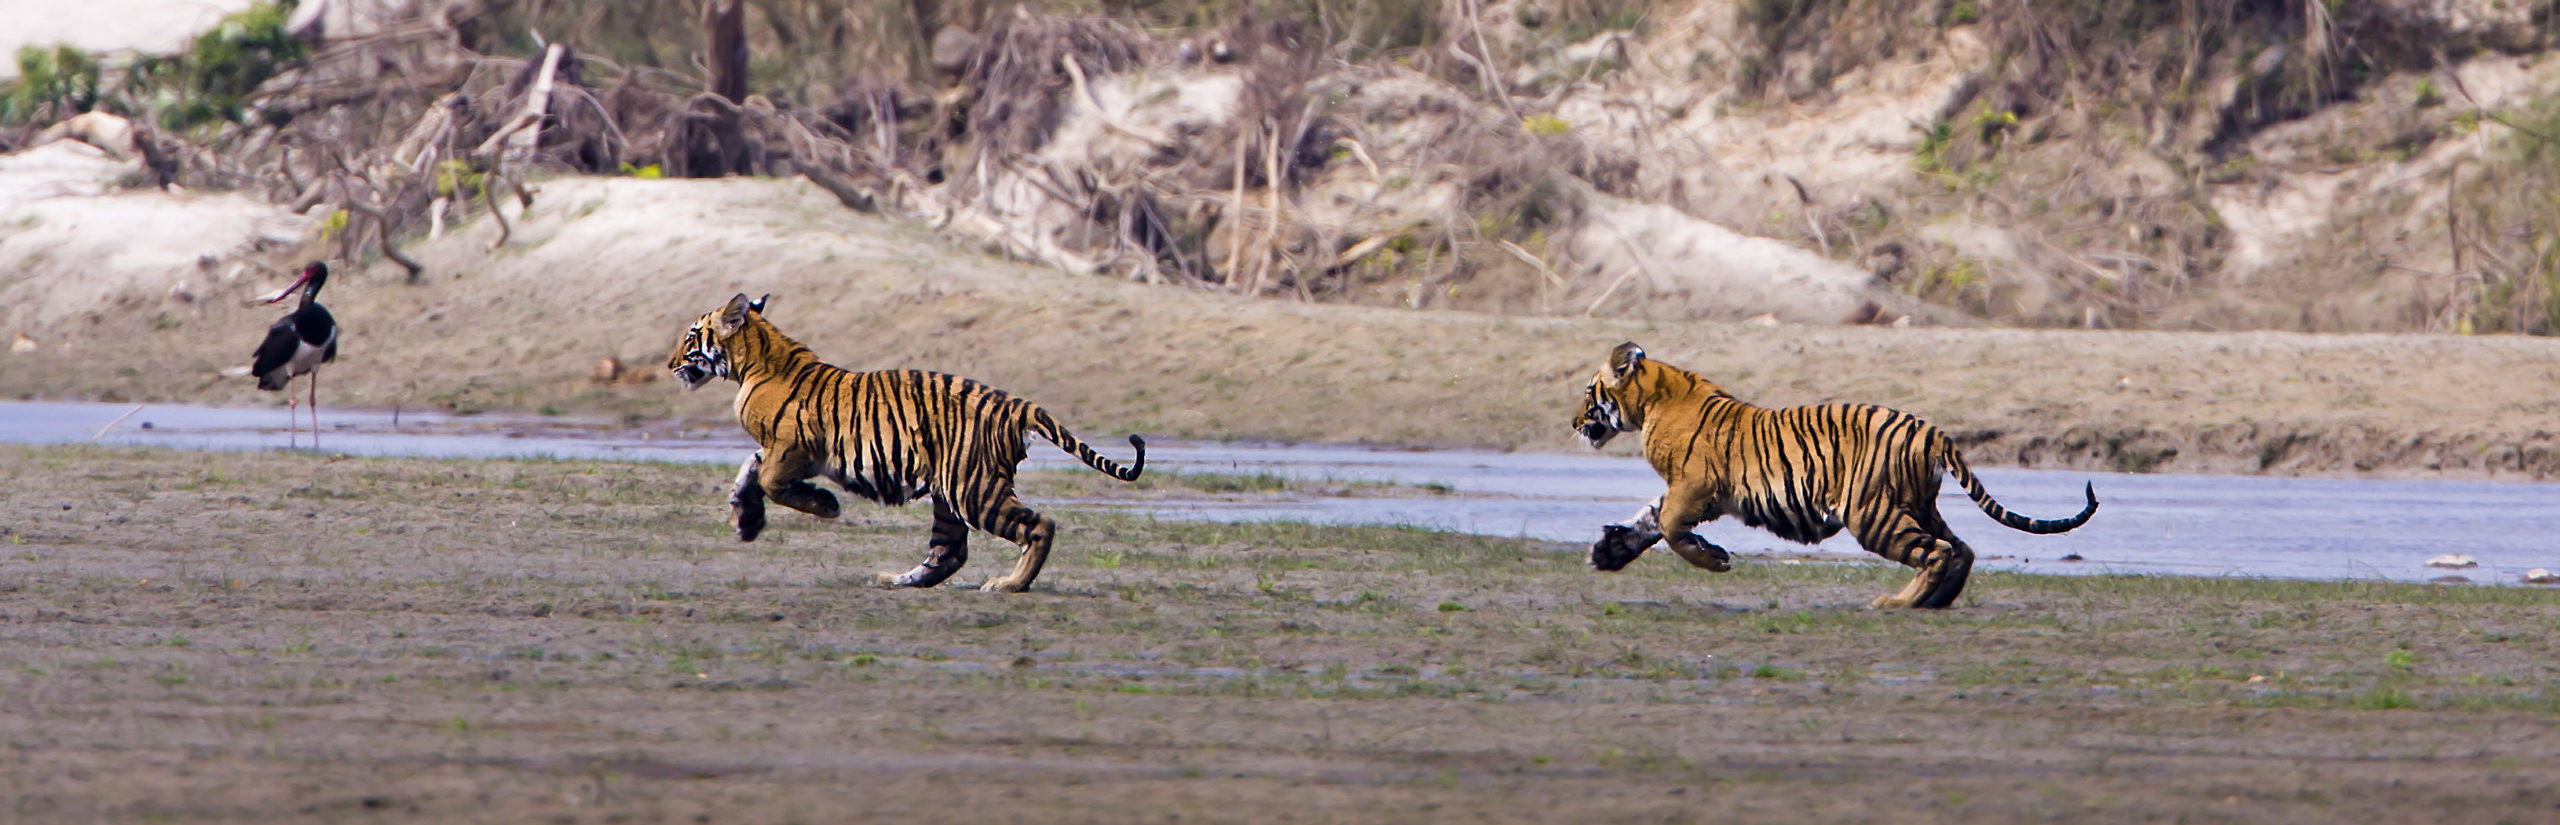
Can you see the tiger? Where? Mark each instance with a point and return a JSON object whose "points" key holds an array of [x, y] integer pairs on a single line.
{"points": [[1804, 473], [891, 436]]}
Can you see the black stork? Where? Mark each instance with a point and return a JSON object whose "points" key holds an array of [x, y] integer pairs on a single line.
{"points": [[299, 343]]}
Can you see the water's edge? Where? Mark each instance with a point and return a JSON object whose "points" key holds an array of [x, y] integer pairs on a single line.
{"points": [[2156, 524]]}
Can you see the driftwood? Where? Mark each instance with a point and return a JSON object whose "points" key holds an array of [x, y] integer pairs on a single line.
{"points": [[381, 229], [521, 136]]}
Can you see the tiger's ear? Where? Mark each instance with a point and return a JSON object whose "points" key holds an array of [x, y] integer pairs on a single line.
{"points": [[734, 315], [757, 305], [1623, 360]]}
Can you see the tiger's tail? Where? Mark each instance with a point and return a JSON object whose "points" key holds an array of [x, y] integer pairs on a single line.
{"points": [[1955, 465], [1040, 422]]}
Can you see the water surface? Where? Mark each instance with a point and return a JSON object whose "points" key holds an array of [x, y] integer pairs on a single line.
{"points": [[2161, 524]]}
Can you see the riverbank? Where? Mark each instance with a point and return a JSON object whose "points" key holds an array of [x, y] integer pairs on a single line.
{"points": [[615, 268]]}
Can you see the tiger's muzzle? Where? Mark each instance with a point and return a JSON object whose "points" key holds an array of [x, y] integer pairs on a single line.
{"points": [[1596, 431], [1599, 420], [692, 374], [697, 359], [699, 365]]}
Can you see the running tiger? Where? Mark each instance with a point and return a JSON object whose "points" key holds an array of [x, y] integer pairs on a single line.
{"points": [[1804, 473], [889, 436]]}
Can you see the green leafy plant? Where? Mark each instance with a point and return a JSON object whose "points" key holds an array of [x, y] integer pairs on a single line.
{"points": [[455, 178], [229, 62], [2428, 93], [52, 84], [1931, 156]]}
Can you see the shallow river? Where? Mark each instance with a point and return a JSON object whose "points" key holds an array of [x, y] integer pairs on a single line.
{"points": [[2164, 524]]}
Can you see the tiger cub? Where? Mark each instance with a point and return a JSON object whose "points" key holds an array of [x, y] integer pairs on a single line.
{"points": [[890, 436], [1805, 473]]}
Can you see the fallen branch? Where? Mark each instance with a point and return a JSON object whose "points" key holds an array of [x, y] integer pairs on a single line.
{"points": [[1633, 253], [1357, 151], [853, 197], [1531, 260], [382, 235], [102, 431], [1084, 94], [1484, 66], [1235, 218], [505, 130], [537, 103], [1360, 250], [491, 194], [1271, 226]]}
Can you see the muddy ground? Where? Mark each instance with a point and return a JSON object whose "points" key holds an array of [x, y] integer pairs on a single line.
{"points": [[283, 637], [617, 267]]}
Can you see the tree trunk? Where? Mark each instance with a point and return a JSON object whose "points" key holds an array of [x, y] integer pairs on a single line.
{"points": [[724, 42]]}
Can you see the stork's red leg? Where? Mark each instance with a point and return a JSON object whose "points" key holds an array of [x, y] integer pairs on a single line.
{"points": [[292, 417], [315, 409]]}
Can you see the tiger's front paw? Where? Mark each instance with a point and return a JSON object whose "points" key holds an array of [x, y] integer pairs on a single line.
{"points": [[748, 517], [1619, 545]]}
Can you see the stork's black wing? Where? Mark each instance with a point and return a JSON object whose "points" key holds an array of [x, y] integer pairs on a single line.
{"points": [[273, 353]]}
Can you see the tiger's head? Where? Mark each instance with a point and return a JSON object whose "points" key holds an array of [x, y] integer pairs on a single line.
{"points": [[1608, 406], [699, 356]]}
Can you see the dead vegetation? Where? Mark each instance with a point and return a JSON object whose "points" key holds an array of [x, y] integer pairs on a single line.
{"points": [[2086, 164], [2113, 142], [1236, 156]]}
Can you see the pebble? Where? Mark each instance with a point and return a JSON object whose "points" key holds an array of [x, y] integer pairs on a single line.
{"points": [[2453, 561], [2540, 575]]}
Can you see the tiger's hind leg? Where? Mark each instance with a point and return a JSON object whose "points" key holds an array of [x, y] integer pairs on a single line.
{"points": [[746, 499], [1953, 570], [1008, 519], [944, 553], [1921, 541]]}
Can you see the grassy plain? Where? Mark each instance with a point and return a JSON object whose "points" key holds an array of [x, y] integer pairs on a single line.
{"points": [[281, 637]]}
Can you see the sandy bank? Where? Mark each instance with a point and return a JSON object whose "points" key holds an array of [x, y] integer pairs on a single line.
{"points": [[615, 267]]}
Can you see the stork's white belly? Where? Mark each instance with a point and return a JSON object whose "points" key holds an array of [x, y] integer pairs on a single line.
{"points": [[306, 356]]}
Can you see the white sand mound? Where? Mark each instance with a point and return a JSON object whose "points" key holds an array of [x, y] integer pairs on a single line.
{"points": [[72, 240], [1711, 271]]}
